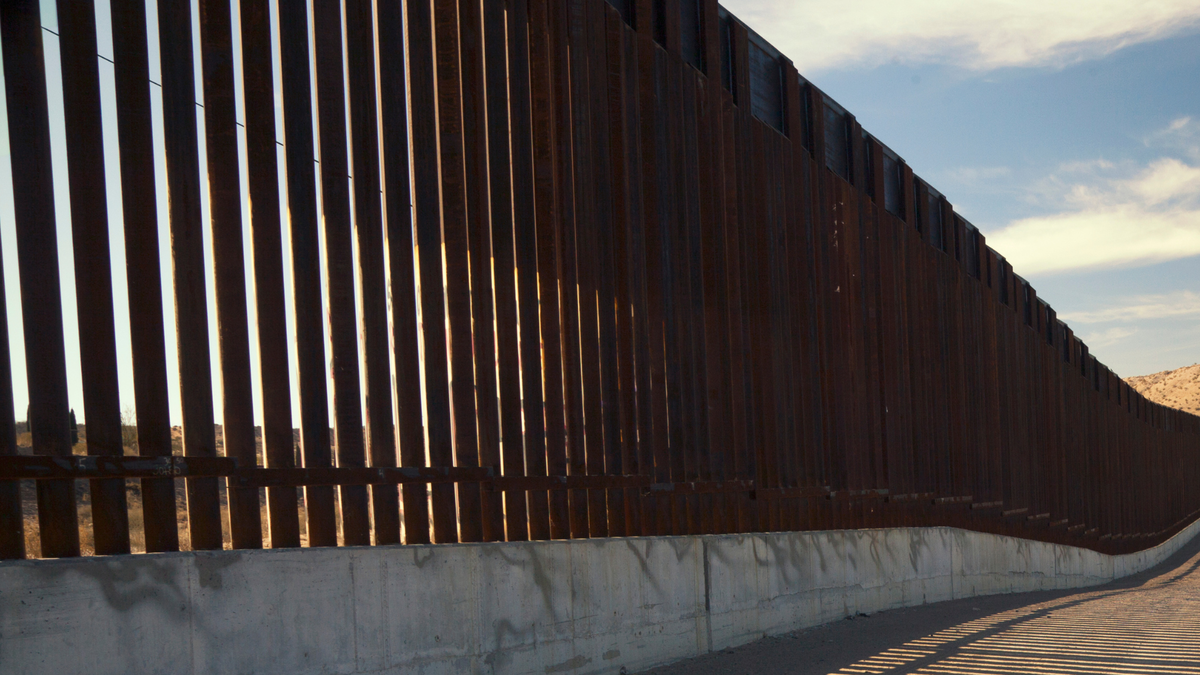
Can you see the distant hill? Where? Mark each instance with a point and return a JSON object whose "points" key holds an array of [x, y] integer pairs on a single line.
{"points": [[1179, 388]]}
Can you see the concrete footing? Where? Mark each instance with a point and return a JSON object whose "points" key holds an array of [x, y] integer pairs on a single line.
{"points": [[589, 606]]}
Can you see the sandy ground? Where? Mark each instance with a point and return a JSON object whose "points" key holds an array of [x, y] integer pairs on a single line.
{"points": [[1147, 623], [1179, 388]]}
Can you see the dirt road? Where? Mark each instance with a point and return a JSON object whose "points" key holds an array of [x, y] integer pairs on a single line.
{"points": [[1147, 623]]}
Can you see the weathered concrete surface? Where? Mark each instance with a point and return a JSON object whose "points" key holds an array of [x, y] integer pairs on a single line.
{"points": [[590, 606], [1142, 624]]}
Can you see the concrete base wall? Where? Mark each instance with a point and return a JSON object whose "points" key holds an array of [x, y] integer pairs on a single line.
{"points": [[589, 606]]}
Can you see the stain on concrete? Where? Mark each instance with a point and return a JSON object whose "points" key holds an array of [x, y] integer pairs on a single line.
{"points": [[821, 559], [682, 546], [707, 580], [875, 554], [209, 566], [157, 588], [850, 552], [569, 665], [781, 557], [760, 559], [420, 560], [497, 659], [524, 640], [917, 543], [127, 582], [534, 562], [634, 546], [522, 637]]}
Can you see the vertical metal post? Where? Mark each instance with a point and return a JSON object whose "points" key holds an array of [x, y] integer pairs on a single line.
{"points": [[93, 271], [142, 269], [306, 266], [12, 521], [368, 226], [508, 361], [187, 263], [427, 209], [397, 195], [225, 210], [451, 163], [266, 238], [479, 242], [37, 258], [339, 263]]}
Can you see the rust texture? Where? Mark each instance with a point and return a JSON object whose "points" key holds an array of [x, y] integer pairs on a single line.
{"points": [[551, 276]]}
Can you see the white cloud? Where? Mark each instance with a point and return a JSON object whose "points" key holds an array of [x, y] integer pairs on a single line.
{"points": [[1142, 308], [971, 175], [1107, 337], [1114, 216], [981, 34], [1142, 333], [1182, 135]]}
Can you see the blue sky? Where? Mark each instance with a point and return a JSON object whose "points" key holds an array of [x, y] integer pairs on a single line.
{"points": [[1068, 131]]}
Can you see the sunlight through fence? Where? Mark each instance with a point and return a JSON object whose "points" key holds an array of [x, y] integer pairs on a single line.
{"points": [[477, 270]]}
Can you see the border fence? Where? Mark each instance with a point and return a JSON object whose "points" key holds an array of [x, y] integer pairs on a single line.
{"points": [[559, 269]]}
